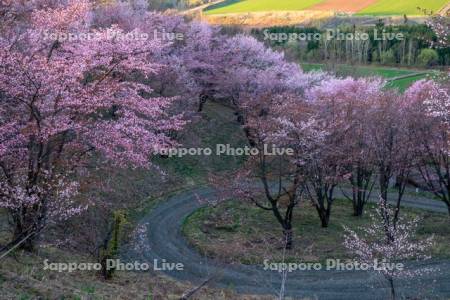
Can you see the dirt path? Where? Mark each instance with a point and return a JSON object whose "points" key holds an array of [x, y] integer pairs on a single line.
{"points": [[342, 5], [416, 74], [199, 9], [166, 241], [445, 11]]}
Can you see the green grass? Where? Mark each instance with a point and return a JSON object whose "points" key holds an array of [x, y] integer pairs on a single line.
{"points": [[404, 83], [402, 7], [239, 233], [244, 6], [217, 126], [342, 70], [358, 71], [382, 7]]}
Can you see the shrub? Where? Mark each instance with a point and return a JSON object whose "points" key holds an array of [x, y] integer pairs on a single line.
{"points": [[388, 57], [427, 57], [375, 56]]}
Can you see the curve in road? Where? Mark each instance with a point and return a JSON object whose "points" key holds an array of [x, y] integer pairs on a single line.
{"points": [[165, 241]]}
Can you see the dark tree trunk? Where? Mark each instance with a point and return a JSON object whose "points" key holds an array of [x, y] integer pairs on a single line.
{"points": [[287, 233], [27, 241], [25, 236], [384, 186], [286, 225], [358, 209], [324, 216], [326, 220], [324, 204], [391, 284], [106, 273], [361, 183], [358, 201], [22, 241]]}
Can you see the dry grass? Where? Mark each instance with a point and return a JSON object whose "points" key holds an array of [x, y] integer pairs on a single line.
{"points": [[267, 19], [23, 277]]}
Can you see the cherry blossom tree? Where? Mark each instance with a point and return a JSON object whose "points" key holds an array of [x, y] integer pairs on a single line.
{"points": [[186, 61], [202, 59], [66, 102], [441, 27], [385, 243], [348, 102], [310, 139], [437, 102], [390, 141], [256, 69], [244, 70], [268, 96], [273, 181], [323, 172], [430, 102], [341, 106]]}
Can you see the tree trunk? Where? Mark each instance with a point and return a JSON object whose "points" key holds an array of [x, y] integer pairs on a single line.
{"points": [[324, 222], [358, 209], [358, 202], [29, 244], [391, 284], [287, 233], [26, 237], [384, 185], [22, 241], [357, 195], [324, 215], [106, 273]]}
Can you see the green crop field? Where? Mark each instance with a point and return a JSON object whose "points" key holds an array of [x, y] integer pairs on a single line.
{"points": [[403, 7], [243, 6], [381, 7]]}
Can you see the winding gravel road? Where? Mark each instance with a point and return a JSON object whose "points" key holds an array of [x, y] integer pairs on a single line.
{"points": [[166, 241]]}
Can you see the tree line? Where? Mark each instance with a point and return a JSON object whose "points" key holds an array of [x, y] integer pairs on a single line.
{"points": [[96, 101], [419, 45]]}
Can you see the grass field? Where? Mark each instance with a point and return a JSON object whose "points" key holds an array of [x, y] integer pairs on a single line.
{"points": [[381, 7], [367, 71], [239, 233], [244, 6], [217, 126], [359, 71], [402, 7], [404, 83]]}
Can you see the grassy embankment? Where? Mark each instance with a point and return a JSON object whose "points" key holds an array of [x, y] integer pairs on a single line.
{"points": [[241, 233]]}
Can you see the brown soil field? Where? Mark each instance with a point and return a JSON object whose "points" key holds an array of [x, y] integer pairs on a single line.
{"points": [[343, 5], [267, 19]]}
